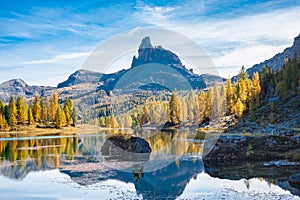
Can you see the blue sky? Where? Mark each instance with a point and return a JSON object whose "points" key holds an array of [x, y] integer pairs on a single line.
{"points": [[43, 42]]}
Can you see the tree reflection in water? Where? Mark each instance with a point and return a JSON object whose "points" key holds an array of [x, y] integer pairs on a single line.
{"points": [[35, 154], [80, 157]]}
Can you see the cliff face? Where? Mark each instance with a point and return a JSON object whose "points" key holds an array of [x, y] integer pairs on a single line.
{"points": [[149, 54]]}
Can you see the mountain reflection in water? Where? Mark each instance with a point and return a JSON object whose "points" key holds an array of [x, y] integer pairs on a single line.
{"points": [[177, 155]]}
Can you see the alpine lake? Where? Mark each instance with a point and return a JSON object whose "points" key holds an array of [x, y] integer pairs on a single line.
{"points": [[85, 166]]}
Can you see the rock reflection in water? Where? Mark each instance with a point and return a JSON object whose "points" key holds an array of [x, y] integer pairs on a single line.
{"points": [[168, 182], [248, 170], [92, 159]]}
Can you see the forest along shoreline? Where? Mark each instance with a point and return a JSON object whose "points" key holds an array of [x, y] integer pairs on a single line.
{"points": [[273, 144], [260, 123], [266, 103], [37, 116]]}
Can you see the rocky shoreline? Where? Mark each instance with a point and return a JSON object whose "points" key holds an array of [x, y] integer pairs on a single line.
{"points": [[274, 154], [235, 148]]}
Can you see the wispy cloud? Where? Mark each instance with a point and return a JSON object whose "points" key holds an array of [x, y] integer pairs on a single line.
{"points": [[58, 35], [156, 15], [55, 36], [234, 41], [57, 58]]}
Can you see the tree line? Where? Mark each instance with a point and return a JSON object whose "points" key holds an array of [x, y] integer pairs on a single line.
{"points": [[217, 101], [42, 110], [245, 94], [282, 81], [232, 98], [192, 108]]}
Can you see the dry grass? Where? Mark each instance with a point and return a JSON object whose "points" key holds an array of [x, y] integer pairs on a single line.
{"points": [[33, 131]]}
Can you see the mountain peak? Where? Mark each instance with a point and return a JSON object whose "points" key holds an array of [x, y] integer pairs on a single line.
{"points": [[16, 82], [151, 54], [297, 41], [146, 43], [81, 76], [18, 87]]}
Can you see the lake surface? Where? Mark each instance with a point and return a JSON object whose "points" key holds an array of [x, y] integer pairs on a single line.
{"points": [[77, 167]]}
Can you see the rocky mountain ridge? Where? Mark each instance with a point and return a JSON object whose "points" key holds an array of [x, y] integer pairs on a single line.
{"points": [[155, 54], [18, 87], [81, 76], [277, 61]]}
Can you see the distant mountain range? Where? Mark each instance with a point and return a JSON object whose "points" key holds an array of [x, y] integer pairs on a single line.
{"points": [[18, 87], [147, 55], [160, 67], [80, 82]]}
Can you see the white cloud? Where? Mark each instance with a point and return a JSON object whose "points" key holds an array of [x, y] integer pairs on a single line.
{"points": [[58, 58], [230, 42], [245, 40], [157, 15], [249, 55]]}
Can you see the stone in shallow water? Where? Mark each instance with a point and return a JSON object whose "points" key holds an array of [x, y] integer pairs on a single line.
{"points": [[126, 148], [294, 180], [131, 144]]}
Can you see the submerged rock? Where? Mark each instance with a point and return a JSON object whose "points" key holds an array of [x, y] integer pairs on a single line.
{"points": [[283, 131], [294, 180], [279, 163], [169, 125]]}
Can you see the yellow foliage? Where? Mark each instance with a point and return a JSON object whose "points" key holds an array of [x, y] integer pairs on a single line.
{"points": [[239, 108]]}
